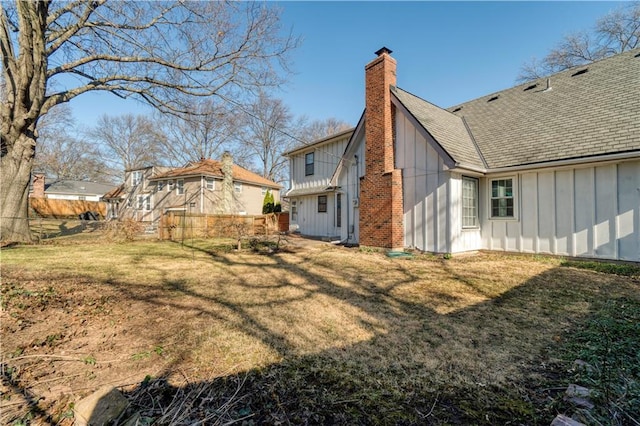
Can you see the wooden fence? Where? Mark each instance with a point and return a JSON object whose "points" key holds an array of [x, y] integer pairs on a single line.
{"points": [[178, 225], [48, 207]]}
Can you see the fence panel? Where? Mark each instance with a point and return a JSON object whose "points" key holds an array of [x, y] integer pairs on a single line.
{"points": [[48, 207], [178, 225]]}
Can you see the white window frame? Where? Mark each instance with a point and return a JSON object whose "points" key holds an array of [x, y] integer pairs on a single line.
{"points": [[136, 177], [160, 185], [210, 183], [147, 203], [294, 210], [513, 197], [264, 191], [237, 187], [180, 186], [171, 185], [140, 202], [465, 207]]}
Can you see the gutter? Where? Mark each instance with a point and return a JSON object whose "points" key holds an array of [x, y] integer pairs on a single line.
{"points": [[632, 155]]}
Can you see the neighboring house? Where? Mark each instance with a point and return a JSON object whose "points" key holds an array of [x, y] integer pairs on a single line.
{"points": [[551, 166], [67, 189], [206, 186], [315, 208]]}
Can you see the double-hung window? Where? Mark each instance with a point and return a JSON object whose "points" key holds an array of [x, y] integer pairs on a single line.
{"points": [[294, 211], [308, 164], [210, 183], [160, 185], [180, 186], [502, 198], [237, 186], [322, 203], [469, 202], [136, 177]]}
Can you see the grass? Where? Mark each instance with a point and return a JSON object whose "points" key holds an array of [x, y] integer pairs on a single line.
{"points": [[312, 334]]}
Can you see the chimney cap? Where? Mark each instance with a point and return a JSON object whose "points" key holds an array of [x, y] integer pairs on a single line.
{"points": [[383, 50]]}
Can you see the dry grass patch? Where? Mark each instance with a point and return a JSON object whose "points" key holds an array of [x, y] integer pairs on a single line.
{"points": [[314, 333]]}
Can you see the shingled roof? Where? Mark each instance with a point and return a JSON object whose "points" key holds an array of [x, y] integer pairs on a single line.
{"points": [[587, 111], [213, 168]]}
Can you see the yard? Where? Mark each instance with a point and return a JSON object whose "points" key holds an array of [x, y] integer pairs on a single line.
{"points": [[314, 334]]}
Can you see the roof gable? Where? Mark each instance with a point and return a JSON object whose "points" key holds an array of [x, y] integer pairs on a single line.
{"points": [[448, 130]]}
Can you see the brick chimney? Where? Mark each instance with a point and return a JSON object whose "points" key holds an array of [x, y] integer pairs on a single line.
{"points": [[381, 200], [38, 185]]}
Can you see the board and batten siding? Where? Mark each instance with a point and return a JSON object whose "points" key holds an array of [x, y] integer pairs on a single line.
{"points": [[591, 211], [427, 190], [326, 157]]}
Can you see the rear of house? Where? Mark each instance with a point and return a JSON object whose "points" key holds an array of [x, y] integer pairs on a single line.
{"points": [[551, 166], [207, 186]]}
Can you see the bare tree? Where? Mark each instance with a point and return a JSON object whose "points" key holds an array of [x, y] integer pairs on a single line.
{"points": [[206, 133], [63, 155], [616, 32], [268, 130], [319, 129], [128, 140], [152, 51]]}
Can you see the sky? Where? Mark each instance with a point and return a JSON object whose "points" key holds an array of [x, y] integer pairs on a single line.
{"points": [[446, 52]]}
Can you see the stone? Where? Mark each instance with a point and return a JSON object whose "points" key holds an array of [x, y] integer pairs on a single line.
{"points": [[561, 420], [579, 396], [100, 408]]}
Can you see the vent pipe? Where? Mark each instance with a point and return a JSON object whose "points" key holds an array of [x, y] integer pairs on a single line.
{"points": [[549, 88]]}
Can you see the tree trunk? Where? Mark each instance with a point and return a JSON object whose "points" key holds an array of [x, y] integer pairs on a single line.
{"points": [[14, 193]]}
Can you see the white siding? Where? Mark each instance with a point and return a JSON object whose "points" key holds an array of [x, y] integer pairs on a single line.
{"points": [[426, 190], [591, 211], [326, 158]]}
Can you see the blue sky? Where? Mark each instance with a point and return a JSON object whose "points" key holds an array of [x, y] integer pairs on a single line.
{"points": [[447, 52]]}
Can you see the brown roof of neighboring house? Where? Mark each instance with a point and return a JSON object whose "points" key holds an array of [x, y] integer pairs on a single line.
{"points": [[213, 168], [115, 193]]}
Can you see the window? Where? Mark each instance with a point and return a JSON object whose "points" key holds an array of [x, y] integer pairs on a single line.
{"points": [[469, 202], [338, 210], [322, 203], [210, 183], [136, 177], [180, 186], [237, 186], [308, 164], [264, 190], [144, 202], [160, 185], [502, 197], [170, 186], [294, 211]]}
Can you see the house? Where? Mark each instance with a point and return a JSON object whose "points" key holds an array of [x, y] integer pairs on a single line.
{"points": [[550, 166], [207, 186], [315, 208], [67, 189]]}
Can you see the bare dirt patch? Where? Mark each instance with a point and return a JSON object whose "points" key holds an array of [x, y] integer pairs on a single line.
{"points": [[313, 333]]}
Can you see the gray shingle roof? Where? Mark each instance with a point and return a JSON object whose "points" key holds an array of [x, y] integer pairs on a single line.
{"points": [[584, 114], [446, 128], [77, 187]]}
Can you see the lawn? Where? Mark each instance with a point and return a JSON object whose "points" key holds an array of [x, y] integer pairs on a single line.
{"points": [[314, 334]]}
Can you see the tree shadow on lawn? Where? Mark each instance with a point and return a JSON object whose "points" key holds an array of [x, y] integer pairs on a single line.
{"points": [[345, 347]]}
